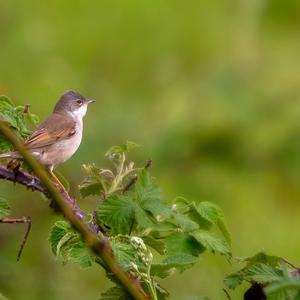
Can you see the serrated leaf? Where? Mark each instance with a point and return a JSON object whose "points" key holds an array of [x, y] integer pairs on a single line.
{"points": [[260, 268], [213, 214], [4, 208], [67, 243], [263, 258], [144, 218], [4, 100], [63, 241], [117, 212], [78, 253], [157, 244], [184, 222], [115, 293], [5, 145], [213, 243], [180, 243], [180, 262], [90, 187], [263, 274], [235, 279], [58, 231], [17, 119], [125, 253], [92, 184], [285, 284], [149, 196]]}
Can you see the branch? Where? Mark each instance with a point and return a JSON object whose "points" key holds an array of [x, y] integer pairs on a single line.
{"points": [[98, 243], [32, 182]]}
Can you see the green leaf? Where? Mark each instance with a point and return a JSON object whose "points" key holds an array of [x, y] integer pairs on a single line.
{"points": [[64, 241], [90, 187], [125, 253], [144, 218], [157, 244], [213, 243], [284, 285], [179, 262], [213, 214], [263, 274], [182, 252], [92, 184], [117, 212], [263, 258], [115, 150], [235, 279], [67, 243], [184, 222], [16, 117], [78, 253], [5, 145], [4, 208], [149, 196], [260, 268], [116, 293], [4, 100], [58, 231], [180, 243]]}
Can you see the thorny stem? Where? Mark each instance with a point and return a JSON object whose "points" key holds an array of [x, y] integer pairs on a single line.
{"points": [[97, 243], [20, 220]]}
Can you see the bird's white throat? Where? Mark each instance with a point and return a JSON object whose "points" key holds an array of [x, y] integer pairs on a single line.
{"points": [[80, 112]]}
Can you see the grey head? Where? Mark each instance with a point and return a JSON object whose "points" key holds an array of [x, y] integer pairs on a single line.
{"points": [[72, 102]]}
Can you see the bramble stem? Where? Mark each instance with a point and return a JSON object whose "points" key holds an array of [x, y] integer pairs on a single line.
{"points": [[97, 243]]}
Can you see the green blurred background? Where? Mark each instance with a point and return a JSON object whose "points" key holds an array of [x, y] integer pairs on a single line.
{"points": [[211, 89]]}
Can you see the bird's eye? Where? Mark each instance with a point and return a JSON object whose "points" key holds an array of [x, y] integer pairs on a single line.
{"points": [[79, 102]]}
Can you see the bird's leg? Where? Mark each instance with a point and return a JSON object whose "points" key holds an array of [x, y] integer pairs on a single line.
{"points": [[60, 186], [14, 165], [19, 220], [56, 180]]}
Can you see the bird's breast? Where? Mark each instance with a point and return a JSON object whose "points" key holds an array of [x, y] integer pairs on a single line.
{"points": [[63, 150]]}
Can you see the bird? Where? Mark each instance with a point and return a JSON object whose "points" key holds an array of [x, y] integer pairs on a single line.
{"points": [[57, 138]]}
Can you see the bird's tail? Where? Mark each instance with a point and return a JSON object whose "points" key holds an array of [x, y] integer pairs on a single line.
{"points": [[11, 154]]}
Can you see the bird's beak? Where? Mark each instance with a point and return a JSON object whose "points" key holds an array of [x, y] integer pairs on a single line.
{"points": [[88, 101]]}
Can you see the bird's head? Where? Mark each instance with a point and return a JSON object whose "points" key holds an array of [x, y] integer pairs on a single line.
{"points": [[72, 103]]}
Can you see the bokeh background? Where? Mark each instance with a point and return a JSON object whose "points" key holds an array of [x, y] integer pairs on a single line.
{"points": [[210, 89]]}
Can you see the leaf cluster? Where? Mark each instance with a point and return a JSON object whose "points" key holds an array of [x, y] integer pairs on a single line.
{"points": [[272, 277], [150, 238], [19, 119]]}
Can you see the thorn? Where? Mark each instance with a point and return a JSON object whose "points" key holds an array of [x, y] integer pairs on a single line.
{"points": [[148, 164], [26, 108]]}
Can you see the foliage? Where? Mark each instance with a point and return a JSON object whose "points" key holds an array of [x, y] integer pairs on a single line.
{"points": [[18, 118], [150, 239], [271, 276]]}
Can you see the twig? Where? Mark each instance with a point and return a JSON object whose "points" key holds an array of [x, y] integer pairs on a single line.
{"points": [[19, 220], [26, 108], [135, 177], [97, 243], [130, 183], [227, 294], [34, 183]]}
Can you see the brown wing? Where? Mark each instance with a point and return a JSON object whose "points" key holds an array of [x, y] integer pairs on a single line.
{"points": [[56, 127]]}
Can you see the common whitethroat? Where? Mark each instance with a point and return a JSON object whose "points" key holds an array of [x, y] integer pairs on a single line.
{"points": [[59, 136]]}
